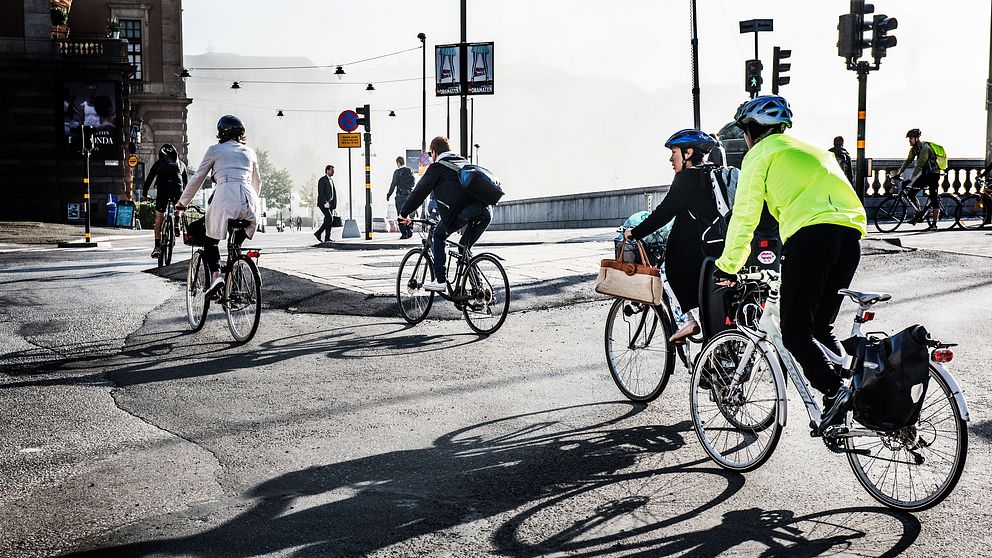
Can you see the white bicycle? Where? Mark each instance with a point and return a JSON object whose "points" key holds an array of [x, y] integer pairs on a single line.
{"points": [[738, 406]]}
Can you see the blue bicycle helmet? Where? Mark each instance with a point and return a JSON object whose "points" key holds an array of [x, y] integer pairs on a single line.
{"points": [[766, 110], [691, 138]]}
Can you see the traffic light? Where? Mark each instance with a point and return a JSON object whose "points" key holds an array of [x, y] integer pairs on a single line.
{"points": [[851, 28], [752, 76], [881, 41], [364, 117], [779, 68]]}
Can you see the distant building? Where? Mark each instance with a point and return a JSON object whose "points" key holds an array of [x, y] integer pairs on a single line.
{"points": [[70, 78]]}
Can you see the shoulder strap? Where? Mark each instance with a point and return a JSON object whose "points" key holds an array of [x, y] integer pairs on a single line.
{"points": [[719, 191], [453, 166]]}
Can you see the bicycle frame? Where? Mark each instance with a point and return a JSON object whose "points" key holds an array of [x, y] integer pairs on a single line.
{"points": [[458, 253], [767, 337]]}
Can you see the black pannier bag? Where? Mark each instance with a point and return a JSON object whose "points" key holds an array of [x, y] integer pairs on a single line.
{"points": [[195, 232], [890, 378]]}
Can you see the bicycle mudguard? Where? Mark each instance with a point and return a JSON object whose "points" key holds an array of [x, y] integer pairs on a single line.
{"points": [[766, 346], [955, 389]]}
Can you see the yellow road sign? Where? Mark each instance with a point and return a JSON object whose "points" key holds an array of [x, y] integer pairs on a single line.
{"points": [[132, 161], [349, 140]]}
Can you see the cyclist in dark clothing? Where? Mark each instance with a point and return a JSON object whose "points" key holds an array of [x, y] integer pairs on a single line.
{"points": [[456, 208], [690, 202], [170, 174]]}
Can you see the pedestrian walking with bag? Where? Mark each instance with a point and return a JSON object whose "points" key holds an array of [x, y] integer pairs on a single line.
{"points": [[327, 202], [402, 185]]}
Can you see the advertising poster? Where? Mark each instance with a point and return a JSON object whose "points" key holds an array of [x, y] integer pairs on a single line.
{"points": [[447, 70], [480, 68], [93, 106]]}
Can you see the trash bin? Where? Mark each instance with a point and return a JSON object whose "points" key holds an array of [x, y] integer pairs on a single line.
{"points": [[111, 211]]}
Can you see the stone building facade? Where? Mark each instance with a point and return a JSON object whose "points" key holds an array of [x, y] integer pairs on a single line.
{"points": [[69, 81]]}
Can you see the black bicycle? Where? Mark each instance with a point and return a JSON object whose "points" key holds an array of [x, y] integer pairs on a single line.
{"points": [[903, 198], [976, 209], [241, 297], [479, 287], [170, 229]]}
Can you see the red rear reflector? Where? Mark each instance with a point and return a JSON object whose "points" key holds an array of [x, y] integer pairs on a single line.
{"points": [[728, 322], [254, 254], [943, 355], [762, 244], [869, 316]]}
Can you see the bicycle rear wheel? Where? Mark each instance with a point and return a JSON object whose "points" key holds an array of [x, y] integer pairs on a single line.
{"points": [[914, 468], [974, 212], [638, 353], [167, 241], [243, 299], [890, 214], [415, 270], [197, 281], [737, 422], [947, 213], [488, 291]]}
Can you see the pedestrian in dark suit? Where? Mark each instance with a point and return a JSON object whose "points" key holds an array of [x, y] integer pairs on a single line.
{"points": [[327, 202], [402, 184]]}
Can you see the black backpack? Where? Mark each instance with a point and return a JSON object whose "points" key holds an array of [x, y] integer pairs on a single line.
{"points": [[478, 182], [890, 378]]}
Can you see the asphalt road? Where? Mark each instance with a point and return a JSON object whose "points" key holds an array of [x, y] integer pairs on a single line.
{"points": [[333, 434]]}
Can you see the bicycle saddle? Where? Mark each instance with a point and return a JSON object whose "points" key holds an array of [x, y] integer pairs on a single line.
{"points": [[238, 223], [865, 298]]}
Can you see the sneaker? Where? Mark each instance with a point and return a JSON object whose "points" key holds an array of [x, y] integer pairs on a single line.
{"points": [[214, 288], [835, 408], [436, 286], [317, 235], [687, 330], [157, 251]]}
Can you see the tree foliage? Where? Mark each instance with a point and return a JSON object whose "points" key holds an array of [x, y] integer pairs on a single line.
{"points": [[277, 184], [308, 191]]}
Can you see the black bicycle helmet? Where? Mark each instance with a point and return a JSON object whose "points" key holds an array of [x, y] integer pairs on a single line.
{"points": [[914, 133], [230, 127]]}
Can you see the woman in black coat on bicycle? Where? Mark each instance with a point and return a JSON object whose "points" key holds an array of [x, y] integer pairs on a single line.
{"points": [[690, 202]]}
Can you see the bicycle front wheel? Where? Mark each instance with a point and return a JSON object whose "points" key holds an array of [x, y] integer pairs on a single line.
{"points": [[638, 353], [947, 212], [890, 214], [974, 213], [164, 253], [243, 299], [735, 416], [914, 468], [415, 270], [197, 281], [488, 294]]}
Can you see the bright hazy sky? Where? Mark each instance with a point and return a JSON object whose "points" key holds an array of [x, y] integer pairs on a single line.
{"points": [[586, 90]]}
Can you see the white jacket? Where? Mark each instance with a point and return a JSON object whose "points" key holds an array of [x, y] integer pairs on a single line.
{"points": [[235, 167]]}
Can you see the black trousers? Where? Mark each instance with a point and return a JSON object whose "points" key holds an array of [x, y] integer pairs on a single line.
{"points": [[325, 227], [930, 181], [817, 261]]}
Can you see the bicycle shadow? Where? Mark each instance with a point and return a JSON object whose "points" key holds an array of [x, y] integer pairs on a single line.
{"points": [[470, 475]]}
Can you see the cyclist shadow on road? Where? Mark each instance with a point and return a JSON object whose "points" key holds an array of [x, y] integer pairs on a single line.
{"points": [[464, 481]]}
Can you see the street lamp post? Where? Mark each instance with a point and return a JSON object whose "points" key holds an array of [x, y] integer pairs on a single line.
{"points": [[695, 66], [423, 129], [463, 128]]}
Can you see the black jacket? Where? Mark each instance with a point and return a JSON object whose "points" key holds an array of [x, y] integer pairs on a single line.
{"points": [[690, 202], [169, 171], [402, 183], [443, 182], [844, 160], [326, 193]]}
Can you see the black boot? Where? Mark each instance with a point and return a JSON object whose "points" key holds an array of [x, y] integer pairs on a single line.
{"points": [[835, 408]]}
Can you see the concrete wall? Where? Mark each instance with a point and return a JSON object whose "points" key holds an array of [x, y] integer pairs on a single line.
{"points": [[593, 209]]}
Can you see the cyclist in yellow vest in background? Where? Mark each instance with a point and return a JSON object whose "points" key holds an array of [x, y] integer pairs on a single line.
{"points": [[821, 222]]}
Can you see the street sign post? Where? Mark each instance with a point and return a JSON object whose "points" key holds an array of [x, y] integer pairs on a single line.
{"points": [[753, 86], [348, 120], [349, 140]]}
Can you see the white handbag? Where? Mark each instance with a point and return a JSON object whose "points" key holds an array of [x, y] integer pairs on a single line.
{"points": [[630, 281]]}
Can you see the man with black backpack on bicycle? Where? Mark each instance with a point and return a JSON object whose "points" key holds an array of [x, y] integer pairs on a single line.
{"points": [[456, 207], [170, 177], [926, 173]]}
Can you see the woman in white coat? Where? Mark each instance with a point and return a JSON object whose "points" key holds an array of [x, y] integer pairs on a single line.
{"points": [[235, 170]]}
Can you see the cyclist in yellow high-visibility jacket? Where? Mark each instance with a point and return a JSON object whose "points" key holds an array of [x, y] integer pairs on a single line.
{"points": [[821, 221]]}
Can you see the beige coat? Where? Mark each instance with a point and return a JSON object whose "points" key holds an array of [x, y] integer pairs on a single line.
{"points": [[235, 167]]}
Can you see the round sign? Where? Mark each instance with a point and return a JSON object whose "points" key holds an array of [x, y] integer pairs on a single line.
{"points": [[348, 121], [425, 159], [766, 257], [132, 161]]}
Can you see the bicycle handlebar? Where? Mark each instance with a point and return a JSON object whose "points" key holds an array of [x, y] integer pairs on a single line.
{"points": [[766, 276]]}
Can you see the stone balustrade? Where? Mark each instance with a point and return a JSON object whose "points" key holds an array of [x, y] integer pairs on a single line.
{"points": [[958, 179]]}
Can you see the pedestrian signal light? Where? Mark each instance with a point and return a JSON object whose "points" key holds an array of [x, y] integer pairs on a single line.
{"points": [[752, 76]]}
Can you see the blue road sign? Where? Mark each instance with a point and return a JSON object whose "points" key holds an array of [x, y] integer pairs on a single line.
{"points": [[348, 121]]}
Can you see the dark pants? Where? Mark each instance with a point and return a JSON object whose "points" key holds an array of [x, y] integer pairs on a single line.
{"points": [[211, 249], [930, 181], [325, 227], [817, 261], [475, 218], [405, 230]]}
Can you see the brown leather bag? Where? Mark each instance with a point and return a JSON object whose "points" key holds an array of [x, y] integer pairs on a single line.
{"points": [[631, 281]]}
